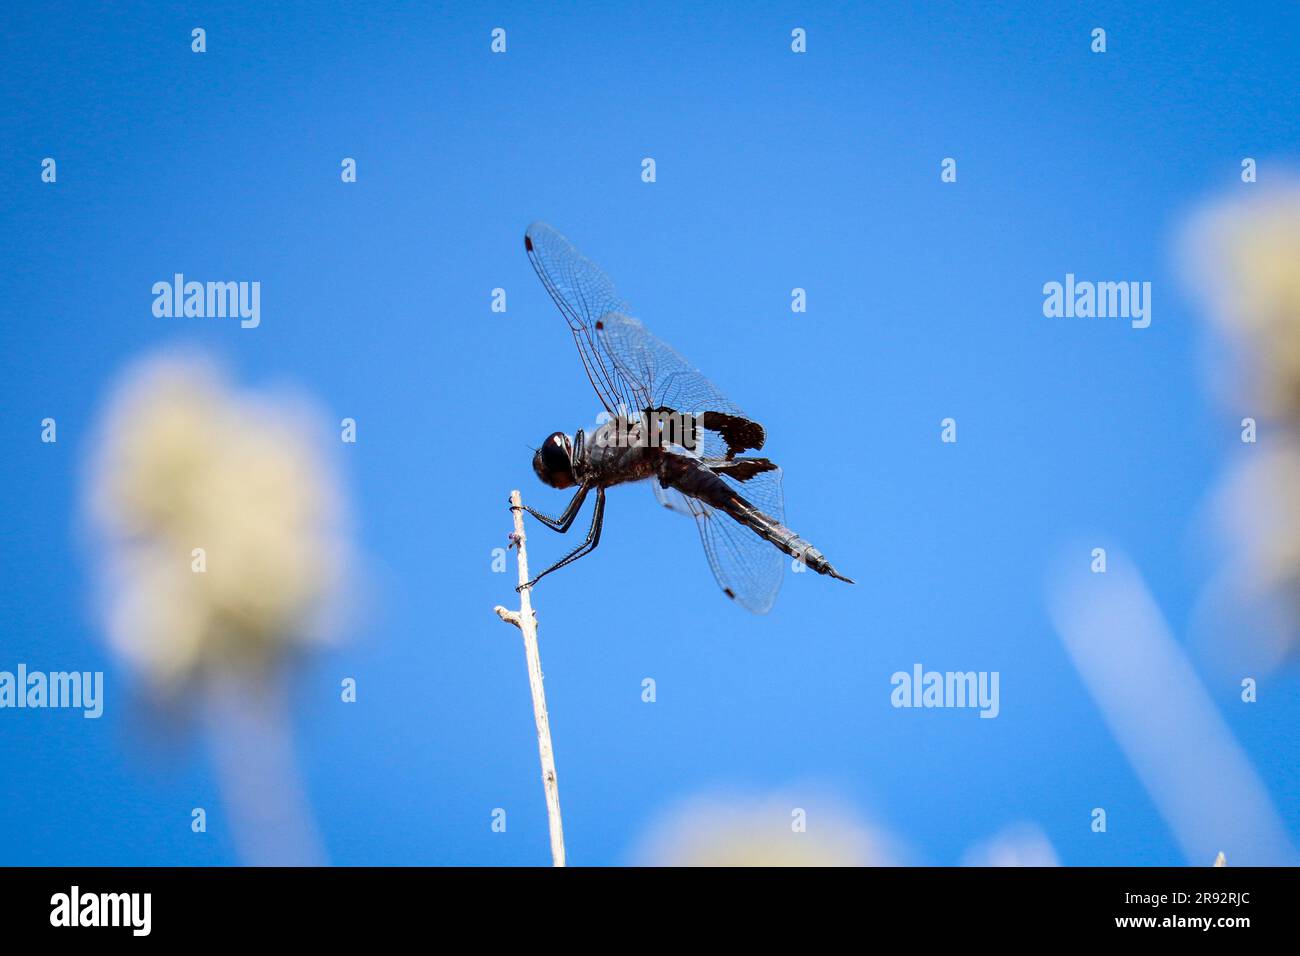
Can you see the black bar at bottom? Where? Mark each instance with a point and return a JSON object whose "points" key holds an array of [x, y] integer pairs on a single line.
{"points": [[329, 905]]}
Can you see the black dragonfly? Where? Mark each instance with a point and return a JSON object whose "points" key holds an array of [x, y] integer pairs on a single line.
{"points": [[666, 422]]}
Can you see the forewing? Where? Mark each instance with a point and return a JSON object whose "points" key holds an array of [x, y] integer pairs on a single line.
{"points": [[631, 369], [671, 381], [585, 295]]}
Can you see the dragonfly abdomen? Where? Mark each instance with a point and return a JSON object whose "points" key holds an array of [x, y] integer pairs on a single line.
{"points": [[697, 481]]}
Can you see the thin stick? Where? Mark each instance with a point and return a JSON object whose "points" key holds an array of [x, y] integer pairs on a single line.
{"points": [[527, 624], [252, 743]]}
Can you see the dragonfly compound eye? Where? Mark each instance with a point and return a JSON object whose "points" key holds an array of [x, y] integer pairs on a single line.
{"points": [[553, 462]]}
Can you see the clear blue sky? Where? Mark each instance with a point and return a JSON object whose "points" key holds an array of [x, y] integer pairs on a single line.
{"points": [[774, 171]]}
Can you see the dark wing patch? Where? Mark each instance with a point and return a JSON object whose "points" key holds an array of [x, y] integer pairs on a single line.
{"points": [[741, 469], [739, 433]]}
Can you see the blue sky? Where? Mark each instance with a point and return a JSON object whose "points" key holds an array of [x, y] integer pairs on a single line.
{"points": [[774, 170]]}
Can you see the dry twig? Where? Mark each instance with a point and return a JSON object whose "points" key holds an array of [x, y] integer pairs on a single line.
{"points": [[526, 621]]}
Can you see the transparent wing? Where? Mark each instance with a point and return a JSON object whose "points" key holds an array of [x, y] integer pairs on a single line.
{"points": [[584, 295], [748, 569], [630, 368], [673, 382]]}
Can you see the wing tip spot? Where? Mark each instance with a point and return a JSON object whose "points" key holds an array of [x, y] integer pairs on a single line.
{"points": [[729, 593], [528, 242]]}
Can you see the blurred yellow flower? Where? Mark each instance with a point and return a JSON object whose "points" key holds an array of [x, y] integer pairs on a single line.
{"points": [[1245, 260], [223, 523], [1259, 510], [1021, 844], [772, 831]]}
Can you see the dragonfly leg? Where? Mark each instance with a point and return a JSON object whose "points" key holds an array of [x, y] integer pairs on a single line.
{"points": [[562, 523], [588, 546]]}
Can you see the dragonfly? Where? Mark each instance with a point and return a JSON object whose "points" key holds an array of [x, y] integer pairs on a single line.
{"points": [[666, 424]]}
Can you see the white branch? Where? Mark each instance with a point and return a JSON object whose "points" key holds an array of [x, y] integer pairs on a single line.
{"points": [[526, 621]]}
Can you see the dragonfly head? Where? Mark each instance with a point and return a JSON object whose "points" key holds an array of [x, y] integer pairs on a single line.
{"points": [[553, 462]]}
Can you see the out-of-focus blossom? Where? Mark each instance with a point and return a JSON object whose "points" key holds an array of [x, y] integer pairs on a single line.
{"points": [[1260, 512], [724, 830], [1247, 618], [1019, 845], [185, 462], [1244, 258]]}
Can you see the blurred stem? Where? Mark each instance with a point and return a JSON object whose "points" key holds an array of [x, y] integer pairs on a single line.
{"points": [[525, 620], [252, 745]]}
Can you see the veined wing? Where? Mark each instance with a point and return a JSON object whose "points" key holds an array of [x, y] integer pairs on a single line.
{"points": [[747, 568], [584, 295], [631, 369], [674, 383]]}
